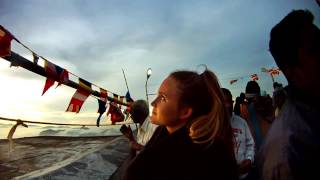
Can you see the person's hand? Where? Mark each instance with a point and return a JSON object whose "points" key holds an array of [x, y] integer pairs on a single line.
{"points": [[127, 132], [245, 166], [135, 146]]}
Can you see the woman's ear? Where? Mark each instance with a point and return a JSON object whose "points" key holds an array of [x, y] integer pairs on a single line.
{"points": [[185, 113]]}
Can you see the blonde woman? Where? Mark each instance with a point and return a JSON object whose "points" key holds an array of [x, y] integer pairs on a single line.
{"points": [[194, 138]]}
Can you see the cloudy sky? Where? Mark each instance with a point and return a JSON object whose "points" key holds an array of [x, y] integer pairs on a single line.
{"points": [[95, 39]]}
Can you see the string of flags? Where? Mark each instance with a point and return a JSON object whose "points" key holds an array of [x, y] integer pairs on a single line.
{"points": [[84, 90], [254, 77]]}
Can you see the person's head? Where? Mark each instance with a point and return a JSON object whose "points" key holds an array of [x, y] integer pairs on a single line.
{"points": [[276, 85], [139, 111], [192, 99], [279, 98], [295, 46], [228, 102], [252, 90], [242, 96]]}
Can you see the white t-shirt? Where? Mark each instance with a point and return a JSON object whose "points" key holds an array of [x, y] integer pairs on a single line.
{"points": [[244, 146], [145, 132]]}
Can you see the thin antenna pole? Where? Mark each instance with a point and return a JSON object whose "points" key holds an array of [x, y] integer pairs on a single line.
{"points": [[125, 79]]}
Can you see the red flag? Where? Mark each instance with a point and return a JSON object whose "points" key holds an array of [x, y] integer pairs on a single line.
{"points": [[77, 101], [49, 83], [254, 77], [116, 114], [103, 95], [5, 42], [233, 81], [274, 72], [50, 69]]}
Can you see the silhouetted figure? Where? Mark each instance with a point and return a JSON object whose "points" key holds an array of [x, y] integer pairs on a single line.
{"points": [[244, 143], [139, 111], [278, 97], [239, 100], [292, 148], [140, 115], [258, 111]]}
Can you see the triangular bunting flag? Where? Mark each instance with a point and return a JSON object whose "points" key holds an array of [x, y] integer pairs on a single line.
{"points": [[128, 97], [50, 69], [64, 77], [49, 83], [77, 101], [233, 81], [274, 71], [103, 95], [116, 114], [254, 77], [5, 42]]}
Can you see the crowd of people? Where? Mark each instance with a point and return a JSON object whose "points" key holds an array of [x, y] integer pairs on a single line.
{"points": [[196, 131]]}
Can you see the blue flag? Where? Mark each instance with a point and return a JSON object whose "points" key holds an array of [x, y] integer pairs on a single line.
{"points": [[101, 110], [128, 97]]}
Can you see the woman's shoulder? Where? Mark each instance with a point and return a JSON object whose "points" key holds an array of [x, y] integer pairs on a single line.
{"points": [[219, 157]]}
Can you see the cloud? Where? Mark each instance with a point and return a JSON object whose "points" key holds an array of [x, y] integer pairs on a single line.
{"points": [[95, 40]]}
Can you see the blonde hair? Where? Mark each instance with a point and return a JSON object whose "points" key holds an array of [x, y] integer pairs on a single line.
{"points": [[203, 94]]}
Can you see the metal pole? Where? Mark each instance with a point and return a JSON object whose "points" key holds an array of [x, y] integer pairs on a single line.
{"points": [[147, 90], [125, 79], [148, 76]]}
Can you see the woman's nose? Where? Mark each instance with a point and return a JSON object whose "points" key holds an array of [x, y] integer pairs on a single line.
{"points": [[154, 102]]}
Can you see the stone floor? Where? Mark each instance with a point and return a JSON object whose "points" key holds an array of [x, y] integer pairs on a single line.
{"points": [[62, 157]]}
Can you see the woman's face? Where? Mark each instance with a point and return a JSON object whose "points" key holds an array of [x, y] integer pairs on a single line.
{"points": [[165, 106]]}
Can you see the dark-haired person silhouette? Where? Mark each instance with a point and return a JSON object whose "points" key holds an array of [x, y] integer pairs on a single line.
{"points": [[292, 146]]}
